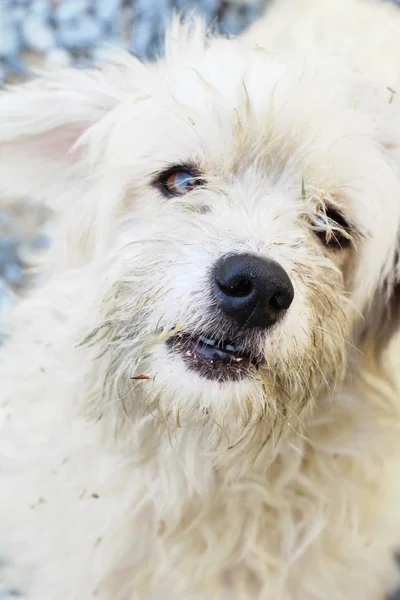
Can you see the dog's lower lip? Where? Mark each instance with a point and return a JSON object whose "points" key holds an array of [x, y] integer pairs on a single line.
{"points": [[212, 358]]}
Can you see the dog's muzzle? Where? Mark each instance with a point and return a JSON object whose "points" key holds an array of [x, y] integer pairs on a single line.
{"points": [[250, 294]]}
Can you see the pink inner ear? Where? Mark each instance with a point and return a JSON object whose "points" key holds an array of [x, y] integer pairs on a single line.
{"points": [[56, 144], [33, 164]]}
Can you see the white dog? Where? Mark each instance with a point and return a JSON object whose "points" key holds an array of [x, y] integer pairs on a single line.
{"points": [[194, 404]]}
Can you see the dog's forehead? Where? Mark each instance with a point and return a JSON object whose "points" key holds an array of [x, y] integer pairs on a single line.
{"points": [[200, 106], [225, 106], [222, 74]]}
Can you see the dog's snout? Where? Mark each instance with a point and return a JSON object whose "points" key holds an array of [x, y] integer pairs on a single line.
{"points": [[252, 290]]}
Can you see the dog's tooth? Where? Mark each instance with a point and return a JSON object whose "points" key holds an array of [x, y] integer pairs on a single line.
{"points": [[188, 353], [208, 341], [238, 359]]}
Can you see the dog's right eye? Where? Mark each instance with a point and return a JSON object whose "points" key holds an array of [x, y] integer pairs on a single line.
{"points": [[179, 181], [332, 229]]}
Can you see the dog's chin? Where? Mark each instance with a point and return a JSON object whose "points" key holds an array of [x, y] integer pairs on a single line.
{"points": [[214, 359]]}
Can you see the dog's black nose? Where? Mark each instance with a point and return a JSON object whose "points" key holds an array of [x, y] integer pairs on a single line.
{"points": [[252, 290]]}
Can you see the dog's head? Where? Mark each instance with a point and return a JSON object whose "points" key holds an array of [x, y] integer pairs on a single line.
{"points": [[233, 217]]}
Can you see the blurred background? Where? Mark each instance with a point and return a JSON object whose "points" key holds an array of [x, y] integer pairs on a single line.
{"points": [[36, 33], [73, 32]]}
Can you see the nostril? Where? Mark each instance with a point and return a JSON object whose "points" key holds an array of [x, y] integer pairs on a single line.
{"points": [[239, 287], [281, 301]]}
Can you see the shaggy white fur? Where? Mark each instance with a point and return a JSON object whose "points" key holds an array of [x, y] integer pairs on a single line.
{"points": [[283, 484], [361, 33]]}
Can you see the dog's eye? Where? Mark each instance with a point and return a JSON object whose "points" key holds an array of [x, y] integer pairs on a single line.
{"points": [[332, 228], [177, 182]]}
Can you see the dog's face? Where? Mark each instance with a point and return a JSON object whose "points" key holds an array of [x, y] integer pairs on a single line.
{"points": [[236, 216]]}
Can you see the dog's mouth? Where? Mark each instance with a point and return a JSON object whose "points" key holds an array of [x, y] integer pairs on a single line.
{"points": [[214, 359]]}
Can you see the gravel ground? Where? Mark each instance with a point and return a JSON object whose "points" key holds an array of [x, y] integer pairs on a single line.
{"points": [[74, 32]]}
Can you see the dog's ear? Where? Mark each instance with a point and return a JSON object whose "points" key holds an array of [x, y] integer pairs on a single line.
{"points": [[42, 120], [381, 319]]}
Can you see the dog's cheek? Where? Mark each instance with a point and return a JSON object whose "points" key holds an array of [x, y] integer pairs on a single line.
{"points": [[314, 364]]}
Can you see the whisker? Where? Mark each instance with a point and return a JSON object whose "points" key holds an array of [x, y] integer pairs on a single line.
{"points": [[337, 337]]}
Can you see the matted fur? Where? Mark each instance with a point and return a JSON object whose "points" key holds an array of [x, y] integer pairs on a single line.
{"points": [[284, 485]]}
